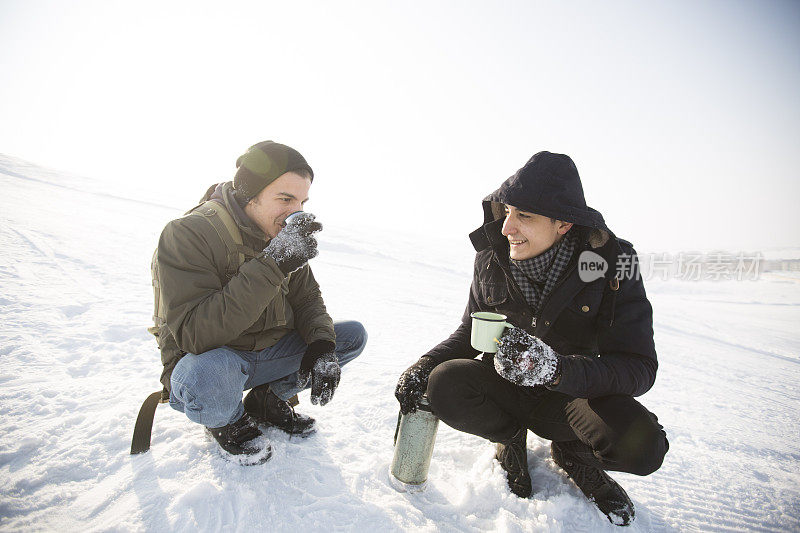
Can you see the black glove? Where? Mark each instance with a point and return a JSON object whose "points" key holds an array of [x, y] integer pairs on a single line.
{"points": [[413, 384], [295, 243], [321, 366], [526, 360]]}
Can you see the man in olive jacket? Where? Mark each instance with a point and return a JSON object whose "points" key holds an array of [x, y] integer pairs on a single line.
{"points": [[248, 315], [581, 350]]}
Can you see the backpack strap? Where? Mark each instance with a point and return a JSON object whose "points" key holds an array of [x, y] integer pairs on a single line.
{"points": [[229, 232], [143, 428], [159, 315]]}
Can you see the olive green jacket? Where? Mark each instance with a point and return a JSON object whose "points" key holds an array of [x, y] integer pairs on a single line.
{"points": [[250, 309]]}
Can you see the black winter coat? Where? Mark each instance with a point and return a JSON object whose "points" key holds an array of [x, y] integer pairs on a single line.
{"points": [[604, 328]]}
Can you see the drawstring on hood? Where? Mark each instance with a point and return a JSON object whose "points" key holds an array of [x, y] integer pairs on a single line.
{"points": [[614, 284]]}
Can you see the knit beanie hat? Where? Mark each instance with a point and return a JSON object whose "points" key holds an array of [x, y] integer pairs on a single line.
{"points": [[262, 164]]}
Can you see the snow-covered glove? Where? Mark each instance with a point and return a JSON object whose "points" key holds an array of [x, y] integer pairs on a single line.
{"points": [[295, 243], [525, 360], [320, 366], [413, 384]]}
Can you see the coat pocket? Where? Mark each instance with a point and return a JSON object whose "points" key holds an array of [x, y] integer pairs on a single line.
{"points": [[276, 311], [586, 304], [492, 294], [576, 325], [274, 314]]}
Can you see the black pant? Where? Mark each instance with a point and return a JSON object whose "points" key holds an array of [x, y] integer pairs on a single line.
{"points": [[617, 432]]}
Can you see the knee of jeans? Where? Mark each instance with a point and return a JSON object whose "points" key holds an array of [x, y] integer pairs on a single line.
{"points": [[196, 378], [449, 387], [353, 338]]}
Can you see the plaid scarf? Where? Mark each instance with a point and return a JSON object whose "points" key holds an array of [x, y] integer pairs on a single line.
{"points": [[538, 275]]}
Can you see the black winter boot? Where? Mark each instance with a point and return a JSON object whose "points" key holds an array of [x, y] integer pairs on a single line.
{"points": [[598, 486], [237, 439], [513, 458], [263, 405]]}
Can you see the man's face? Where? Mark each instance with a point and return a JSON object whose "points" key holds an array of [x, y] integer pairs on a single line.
{"points": [[278, 200], [530, 234]]}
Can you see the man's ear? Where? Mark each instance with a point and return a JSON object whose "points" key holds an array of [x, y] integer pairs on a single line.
{"points": [[563, 227]]}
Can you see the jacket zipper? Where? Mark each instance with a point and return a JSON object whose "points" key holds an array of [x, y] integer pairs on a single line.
{"points": [[512, 282]]}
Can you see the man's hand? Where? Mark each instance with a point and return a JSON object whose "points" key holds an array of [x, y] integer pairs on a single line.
{"points": [[525, 360], [413, 384], [295, 243], [321, 366]]}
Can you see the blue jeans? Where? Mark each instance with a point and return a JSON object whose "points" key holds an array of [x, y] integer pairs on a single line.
{"points": [[208, 387]]}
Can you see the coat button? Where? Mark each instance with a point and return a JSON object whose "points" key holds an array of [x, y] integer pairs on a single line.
{"points": [[546, 322], [489, 299], [585, 308]]}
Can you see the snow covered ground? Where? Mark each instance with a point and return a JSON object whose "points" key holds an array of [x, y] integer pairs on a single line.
{"points": [[76, 362]]}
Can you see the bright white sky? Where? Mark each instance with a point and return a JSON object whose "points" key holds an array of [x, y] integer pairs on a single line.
{"points": [[683, 117]]}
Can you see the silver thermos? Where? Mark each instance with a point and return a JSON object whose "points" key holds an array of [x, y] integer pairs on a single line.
{"points": [[413, 448]]}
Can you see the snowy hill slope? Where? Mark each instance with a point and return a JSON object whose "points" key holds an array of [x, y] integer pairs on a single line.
{"points": [[76, 361]]}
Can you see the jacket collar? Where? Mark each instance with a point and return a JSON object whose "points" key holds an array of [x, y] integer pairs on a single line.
{"points": [[224, 194]]}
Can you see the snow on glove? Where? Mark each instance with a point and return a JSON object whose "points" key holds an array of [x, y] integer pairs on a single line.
{"points": [[295, 243], [525, 360], [321, 366], [413, 383]]}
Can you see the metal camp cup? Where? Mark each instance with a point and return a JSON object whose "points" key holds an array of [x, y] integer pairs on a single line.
{"points": [[487, 328], [290, 216], [413, 448]]}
